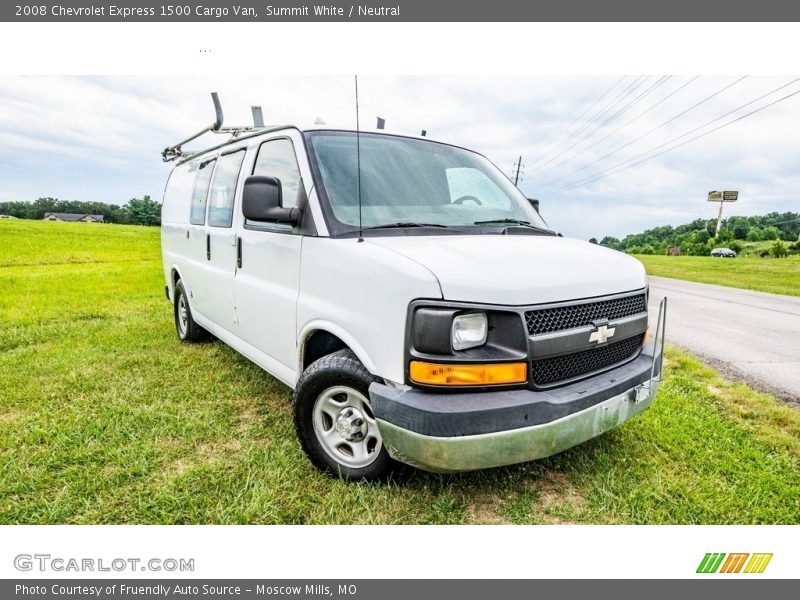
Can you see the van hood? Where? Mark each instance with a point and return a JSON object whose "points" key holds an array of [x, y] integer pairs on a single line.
{"points": [[519, 269]]}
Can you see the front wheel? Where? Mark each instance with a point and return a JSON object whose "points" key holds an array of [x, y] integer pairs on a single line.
{"points": [[335, 423]]}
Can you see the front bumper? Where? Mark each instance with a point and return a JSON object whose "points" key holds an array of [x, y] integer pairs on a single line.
{"points": [[469, 431]]}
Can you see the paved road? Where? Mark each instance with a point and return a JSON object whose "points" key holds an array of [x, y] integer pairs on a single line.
{"points": [[751, 335]]}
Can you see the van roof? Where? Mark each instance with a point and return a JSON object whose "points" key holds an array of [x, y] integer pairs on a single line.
{"points": [[252, 132], [238, 133], [324, 127]]}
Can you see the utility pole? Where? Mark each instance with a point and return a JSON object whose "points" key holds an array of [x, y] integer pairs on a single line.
{"points": [[519, 166]]}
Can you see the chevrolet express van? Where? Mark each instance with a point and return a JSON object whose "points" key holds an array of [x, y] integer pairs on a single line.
{"points": [[417, 303]]}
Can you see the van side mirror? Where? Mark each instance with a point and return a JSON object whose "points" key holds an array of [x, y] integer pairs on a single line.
{"points": [[534, 203], [261, 201]]}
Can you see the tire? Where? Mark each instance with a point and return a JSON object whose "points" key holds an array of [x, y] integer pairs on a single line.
{"points": [[335, 423], [187, 329]]}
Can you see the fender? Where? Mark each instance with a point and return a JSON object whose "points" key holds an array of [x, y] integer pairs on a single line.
{"points": [[341, 333], [174, 270]]}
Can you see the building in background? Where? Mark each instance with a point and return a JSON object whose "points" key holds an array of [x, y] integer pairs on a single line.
{"points": [[84, 218]]}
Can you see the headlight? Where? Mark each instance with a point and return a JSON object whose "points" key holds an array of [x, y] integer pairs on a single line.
{"points": [[469, 331]]}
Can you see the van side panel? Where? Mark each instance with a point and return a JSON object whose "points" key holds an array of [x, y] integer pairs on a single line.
{"points": [[174, 220], [360, 292]]}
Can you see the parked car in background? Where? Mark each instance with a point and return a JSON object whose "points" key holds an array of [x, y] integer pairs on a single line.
{"points": [[723, 253]]}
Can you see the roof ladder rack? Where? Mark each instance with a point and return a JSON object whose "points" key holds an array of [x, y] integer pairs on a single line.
{"points": [[176, 151]]}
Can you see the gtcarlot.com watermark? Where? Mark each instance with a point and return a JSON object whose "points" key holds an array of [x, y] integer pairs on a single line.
{"points": [[58, 564]]}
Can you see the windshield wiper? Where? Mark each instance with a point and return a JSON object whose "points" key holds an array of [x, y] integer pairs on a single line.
{"points": [[517, 222], [404, 224]]}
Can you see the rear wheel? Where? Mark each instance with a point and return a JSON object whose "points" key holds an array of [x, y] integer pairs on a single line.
{"points": [[335, 423], [186, 327]]}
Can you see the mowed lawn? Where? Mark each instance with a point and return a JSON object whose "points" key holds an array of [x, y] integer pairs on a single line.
{"points": [[106, 418], [775, 275]]}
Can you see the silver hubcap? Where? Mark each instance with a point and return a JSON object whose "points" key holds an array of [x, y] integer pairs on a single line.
{"points": [[346, 428], [183, 314]]}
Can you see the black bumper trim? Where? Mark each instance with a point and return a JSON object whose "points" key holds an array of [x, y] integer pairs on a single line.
{"points": [[475, 413]]}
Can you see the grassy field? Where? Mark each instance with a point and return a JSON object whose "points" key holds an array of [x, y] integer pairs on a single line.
{"points": [[106, 418], [778, 276]]}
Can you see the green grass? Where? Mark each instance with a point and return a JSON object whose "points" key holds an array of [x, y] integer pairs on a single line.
{"points": [[778, 276], [106, 418]]}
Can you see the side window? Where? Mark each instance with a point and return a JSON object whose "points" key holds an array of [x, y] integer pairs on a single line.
{"points": [[197, 215], [276, 159], [466, 181], [223, 189]]}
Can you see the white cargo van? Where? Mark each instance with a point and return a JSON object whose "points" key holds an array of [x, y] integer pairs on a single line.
{"points": [[417, 303]]}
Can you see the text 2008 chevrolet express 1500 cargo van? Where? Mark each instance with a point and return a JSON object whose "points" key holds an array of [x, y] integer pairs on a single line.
{"points": [[415, 300]]}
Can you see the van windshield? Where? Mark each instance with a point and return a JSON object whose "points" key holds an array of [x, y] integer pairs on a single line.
{"points": [[407, 183]]}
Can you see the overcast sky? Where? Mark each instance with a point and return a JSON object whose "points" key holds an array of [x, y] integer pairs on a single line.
{"points": [[100, 138]]}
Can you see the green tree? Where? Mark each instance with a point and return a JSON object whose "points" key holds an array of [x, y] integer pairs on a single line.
{"points": [[593, 240], [770, 233], [701, 236], [143, 211], [753, 235], [740, 231], [611, 242]]}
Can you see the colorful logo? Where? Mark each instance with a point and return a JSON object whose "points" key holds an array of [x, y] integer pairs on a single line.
{"points": [[716, 562]]}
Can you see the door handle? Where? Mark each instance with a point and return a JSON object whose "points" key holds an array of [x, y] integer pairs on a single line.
{"points": [[238, 252], [208, 246]]}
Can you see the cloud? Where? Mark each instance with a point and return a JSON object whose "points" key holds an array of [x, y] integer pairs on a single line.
{"points": [[99, 138]]}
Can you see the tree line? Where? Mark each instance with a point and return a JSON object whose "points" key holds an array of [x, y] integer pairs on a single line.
{"points": [[136, 211], [699, 237]]}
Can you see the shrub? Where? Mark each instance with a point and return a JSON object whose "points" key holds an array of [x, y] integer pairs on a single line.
{"points": [[778, 249]]}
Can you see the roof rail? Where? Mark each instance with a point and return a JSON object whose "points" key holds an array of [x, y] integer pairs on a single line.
{"points": [[176, 151]]}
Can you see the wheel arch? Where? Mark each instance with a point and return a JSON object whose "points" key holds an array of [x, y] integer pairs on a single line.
{"points": [[320, 338], [174, 277]]}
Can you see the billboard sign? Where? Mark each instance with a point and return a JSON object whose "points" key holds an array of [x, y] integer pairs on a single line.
{"points": [[723, 196]]}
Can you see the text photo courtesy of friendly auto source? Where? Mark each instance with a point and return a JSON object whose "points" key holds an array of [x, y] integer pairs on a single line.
{"points": [[334, 299]]}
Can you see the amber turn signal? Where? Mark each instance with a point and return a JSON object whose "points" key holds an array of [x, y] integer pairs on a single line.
{"points": [[483, 374]]}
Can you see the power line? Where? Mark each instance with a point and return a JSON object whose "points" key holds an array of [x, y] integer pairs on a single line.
{"points": [[657, 127], [620, 167], [562, 131], [624, 94], [591, 119], [599, 114], [599, 127], [618, 129], [691, 131]]}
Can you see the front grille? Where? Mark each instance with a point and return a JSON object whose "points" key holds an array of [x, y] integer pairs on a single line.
{"points": [[549, 371], [558, 318]]}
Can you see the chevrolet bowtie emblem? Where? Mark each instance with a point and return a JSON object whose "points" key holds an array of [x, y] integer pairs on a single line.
{"points": [[601, 334]]}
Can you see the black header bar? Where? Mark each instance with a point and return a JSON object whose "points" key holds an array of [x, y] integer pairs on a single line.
{"points": [[401, 11]]}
